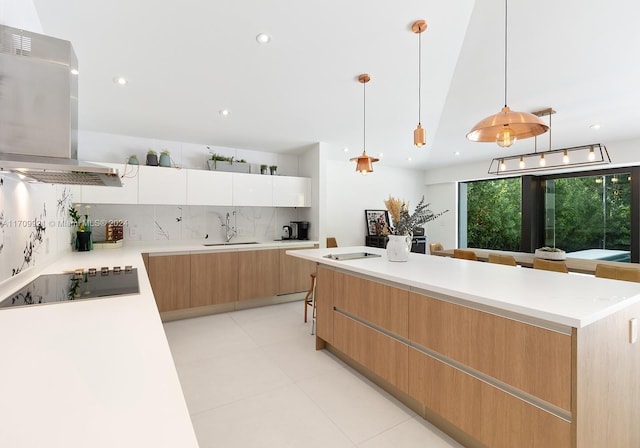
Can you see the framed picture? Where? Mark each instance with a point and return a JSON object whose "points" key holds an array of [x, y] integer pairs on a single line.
{"points": [[376, 221]]}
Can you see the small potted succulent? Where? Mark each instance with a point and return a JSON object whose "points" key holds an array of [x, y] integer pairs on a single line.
{"points": [[152, 158], [165, 158], [273, 169], [263, 169], [133, 160]]}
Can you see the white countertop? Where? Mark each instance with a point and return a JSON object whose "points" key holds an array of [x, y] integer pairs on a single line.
{"points": [[96, 372], [574, 300]]}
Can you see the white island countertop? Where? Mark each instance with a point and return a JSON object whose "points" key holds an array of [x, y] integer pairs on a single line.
{"points": [[574, 300], [97, 372]]}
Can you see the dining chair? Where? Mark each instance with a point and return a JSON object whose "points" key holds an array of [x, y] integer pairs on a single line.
{"points": [[550, 265], [465, 254], [433, 247], [630, 274], [509, 260]]}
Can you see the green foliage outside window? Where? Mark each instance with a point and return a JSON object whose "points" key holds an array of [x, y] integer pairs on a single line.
{"points": [[494, 213], [592, 212]]}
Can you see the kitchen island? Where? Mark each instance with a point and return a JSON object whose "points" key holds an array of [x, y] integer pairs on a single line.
{"points": [[95, 372], [494, 355]]}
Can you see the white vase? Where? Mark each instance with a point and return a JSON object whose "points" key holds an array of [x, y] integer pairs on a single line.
{"points": [[398, 247]]}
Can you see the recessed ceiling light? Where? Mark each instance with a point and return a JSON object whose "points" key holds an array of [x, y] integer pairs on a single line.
{"points": [[457, 153], [224, 112], [263, 38], [120, 80], [595, 126], [380, 156], [74, 71], [408, 159], [346, 150]]}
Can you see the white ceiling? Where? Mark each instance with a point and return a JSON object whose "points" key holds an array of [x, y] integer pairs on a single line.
{"points": [[187, 60]]}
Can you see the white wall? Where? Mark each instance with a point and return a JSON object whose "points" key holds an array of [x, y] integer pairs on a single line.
{"points": [[20, 14], [349, 194], [114, 148]]}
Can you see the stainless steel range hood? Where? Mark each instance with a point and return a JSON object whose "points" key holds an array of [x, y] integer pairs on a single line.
{"points": [[39, 111]]}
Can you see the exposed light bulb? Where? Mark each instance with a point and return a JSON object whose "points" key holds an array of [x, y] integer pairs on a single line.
{"points": [[503, 166], [522, 165], [592, 155], [565, 157], [505, 137], [542, 161]]}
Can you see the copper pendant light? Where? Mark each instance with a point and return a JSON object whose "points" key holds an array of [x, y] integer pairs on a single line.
{"points": [[507, 126], [364, 163], [419, 137]]}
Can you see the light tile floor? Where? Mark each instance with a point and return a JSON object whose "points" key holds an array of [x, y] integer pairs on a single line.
{"points": [[253, 379]]}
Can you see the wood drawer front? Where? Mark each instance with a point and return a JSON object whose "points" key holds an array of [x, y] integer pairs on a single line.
{"points": [[384, 306], [258, 273], [533, 359], [384, 356], [325, 286], [214, 278], [170, 278], [493, 417]]}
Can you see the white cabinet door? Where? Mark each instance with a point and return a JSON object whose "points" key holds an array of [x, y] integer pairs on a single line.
{"points": [[162, 185], [252, 190], [209, 187], [127, 194], [291, 191]]}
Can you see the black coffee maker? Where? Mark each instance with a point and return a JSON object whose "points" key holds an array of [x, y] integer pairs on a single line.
{"points": [[299, 230]]}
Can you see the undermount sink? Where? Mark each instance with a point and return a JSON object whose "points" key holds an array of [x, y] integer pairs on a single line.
{"points": [[230, 243]]}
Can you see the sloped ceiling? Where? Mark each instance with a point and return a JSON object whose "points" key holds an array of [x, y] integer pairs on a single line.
{"points": [[186, 61]]}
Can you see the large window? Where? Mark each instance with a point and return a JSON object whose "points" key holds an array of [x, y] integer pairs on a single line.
{"points": [[587, 214], [493, 214], [590, 215]]}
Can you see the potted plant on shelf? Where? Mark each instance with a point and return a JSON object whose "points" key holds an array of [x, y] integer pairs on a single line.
{"points": [[165, 158], [401, 233], [263, 169], [133, 160], [219, 162], [152, 158], [273, 169]]}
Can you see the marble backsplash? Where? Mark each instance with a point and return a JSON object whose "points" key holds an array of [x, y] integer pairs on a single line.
{"points": [[188, 222], [34, 224]]}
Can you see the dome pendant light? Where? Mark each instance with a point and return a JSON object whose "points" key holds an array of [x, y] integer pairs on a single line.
{"points": [[364, 163], [419, 137], [507, 126]]}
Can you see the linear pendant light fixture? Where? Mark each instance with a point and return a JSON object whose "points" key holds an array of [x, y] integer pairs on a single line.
{"points": [[364, 163], [552, 159], [419, 137], [507, 126]]}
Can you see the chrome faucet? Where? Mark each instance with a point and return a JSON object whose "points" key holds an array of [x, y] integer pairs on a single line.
{"points": [[230, 231]]}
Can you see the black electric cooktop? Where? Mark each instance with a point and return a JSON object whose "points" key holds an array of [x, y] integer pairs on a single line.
{"points": [[54, 288]]}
